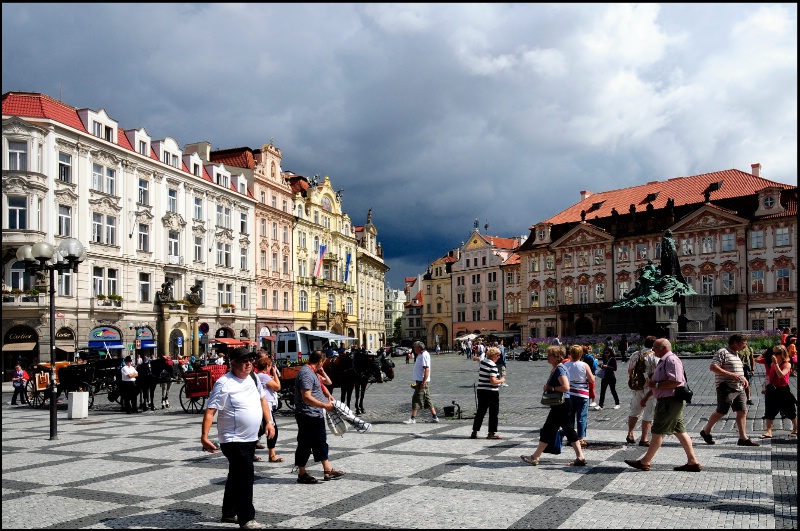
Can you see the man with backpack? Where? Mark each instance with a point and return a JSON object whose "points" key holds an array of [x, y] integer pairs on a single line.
{"points": [[641, 367], [590, 360]]}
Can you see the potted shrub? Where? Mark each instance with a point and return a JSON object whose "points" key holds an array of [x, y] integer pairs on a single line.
{"points": [[117, 298], [100, 297], [16, 291], [33, 292]]}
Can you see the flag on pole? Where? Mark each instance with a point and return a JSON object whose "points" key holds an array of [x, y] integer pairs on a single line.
{"points": [[318, 269], [347, 269]]}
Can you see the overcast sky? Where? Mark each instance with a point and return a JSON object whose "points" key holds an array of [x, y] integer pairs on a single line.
{"points": [[433, 115]]}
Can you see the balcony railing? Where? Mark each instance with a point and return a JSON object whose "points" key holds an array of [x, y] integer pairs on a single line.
{"points": [[23, 299]]}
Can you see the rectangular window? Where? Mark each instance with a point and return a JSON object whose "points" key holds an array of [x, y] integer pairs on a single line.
{"points": [[623, 289], [728, 242], [64, 220], [274, 299], [275, 262], [728, 283], [782, 280], [583, 294], [243, 223], [492, 314], [97, 228], [583, 259], [274, 231], [687, 246], [534, 299], [707, 244], [172, 200], [97, 177], [285, 206], [758, 324], [707, 285], [551, 296], [568, 295], [196, 169], [623, 253], [599, 293], [285, 301], [285, 265], [144, 237], [64, 167], [781, 236], [198, 208], [226, 218], [757, 282], [461, 317], [757, 239], [111, 181], [18, 156], [264, 297], [243, 259], [198, 248], [599, 257], [263, 261], [262, 227], [285, 234], [97, 129], [144, 287], [534, 265], [509, 277], [219, 215], [97, 281], [476, 315], [509, 306], [274, 201], [111, 277], [111, 230], [65, 283], [17, 213], [142, 147], [109, 131], [567, 261], [243, 298], [172, 246], [641, 251], [550, 262], [144, 192]]}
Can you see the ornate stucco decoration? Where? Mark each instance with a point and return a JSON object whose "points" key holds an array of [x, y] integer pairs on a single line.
{"points": [[173, 221]]}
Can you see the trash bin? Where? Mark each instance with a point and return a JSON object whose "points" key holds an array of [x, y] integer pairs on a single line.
{"points": [[449, 411], [78, 406]]}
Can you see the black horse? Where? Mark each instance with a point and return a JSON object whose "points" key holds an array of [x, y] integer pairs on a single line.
{"points": [[356, 371], [151, 374]]}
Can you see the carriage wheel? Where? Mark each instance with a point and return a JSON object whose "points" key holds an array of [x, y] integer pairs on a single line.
{"points": [[191, 405], [36, 399], [88, 388], [288, 398]]}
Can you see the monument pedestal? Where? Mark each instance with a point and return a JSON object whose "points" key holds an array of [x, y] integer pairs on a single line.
{"points": [[693, 313]]}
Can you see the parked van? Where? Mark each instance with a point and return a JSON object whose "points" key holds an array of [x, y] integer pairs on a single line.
{"points": [[294, 347]]}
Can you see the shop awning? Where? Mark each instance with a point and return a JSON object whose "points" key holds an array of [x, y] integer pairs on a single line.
{"points": [[231, 342], [149, 344], [16, 347], [269, 338], [248, 342], [106, 345], [66, 348]]}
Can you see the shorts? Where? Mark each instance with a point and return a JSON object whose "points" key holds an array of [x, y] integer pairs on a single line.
{"points": [[421, 398], [668, 416], [729, 397], [636, 408]]}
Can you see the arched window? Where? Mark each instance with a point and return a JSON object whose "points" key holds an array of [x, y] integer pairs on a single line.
{"points": [[303, 301]]}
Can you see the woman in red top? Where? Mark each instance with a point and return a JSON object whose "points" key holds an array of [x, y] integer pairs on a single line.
{"points": [[779, 397]]}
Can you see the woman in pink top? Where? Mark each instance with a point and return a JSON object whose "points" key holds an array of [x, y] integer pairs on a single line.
{"points": [[779, 397]]}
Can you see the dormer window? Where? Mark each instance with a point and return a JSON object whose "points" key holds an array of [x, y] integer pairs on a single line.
{"points": [[142, 147], [769, 202], [103, 131], [541, 234], [222, 180], [196, 170]]}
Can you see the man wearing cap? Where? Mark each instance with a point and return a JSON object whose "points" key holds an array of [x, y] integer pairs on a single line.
{"points": [[128, 391], [241, 401]]}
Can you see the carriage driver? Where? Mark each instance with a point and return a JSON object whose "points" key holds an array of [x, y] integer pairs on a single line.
{"points": [[242, 403], [128, 393]]}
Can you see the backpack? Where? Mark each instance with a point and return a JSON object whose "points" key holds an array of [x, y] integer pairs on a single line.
{"points": [[638, 377], [589, 360]]}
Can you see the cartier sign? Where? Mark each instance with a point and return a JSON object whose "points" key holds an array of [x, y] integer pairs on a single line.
{"points": [[20, 334], [65, 334]]}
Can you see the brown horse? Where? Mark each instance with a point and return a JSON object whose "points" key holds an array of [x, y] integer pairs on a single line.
{"points": [[343, 375], [357, 371]]}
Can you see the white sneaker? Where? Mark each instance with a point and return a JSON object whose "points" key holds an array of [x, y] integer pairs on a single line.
{"points": [[616, 407], [434, 420], [503, 385], [596, 408], [410, 421], [593, 404], [252, 524]]}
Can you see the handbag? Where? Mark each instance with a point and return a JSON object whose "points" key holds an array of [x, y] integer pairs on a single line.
{"points": [[683, 392], [553, 398], [600, 373], [554, 447]]}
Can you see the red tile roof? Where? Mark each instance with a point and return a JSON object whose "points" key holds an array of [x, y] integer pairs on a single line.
{"points": [[513, 260], [239, 157], [683, 190], [34, 105]]}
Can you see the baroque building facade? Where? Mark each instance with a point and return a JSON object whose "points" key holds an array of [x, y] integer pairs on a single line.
{"points": [[370, 280], [168, 237], [437, 292]]}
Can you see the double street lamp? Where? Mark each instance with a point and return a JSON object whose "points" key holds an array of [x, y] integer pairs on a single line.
{"points": [[43, 256], [771, 313]]}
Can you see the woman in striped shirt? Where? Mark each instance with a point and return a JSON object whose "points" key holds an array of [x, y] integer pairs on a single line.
{"points": [[580, 378], [489, 381]]}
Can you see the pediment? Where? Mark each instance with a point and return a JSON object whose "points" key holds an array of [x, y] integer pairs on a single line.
{"points": [[475, 242], [16, 125], [105, 205], [173, 220], [708, 217], [583, 234], [65, 196]]}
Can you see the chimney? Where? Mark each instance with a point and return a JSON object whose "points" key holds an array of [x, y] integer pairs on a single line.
{"points": [[756, 169], [585, 194]]}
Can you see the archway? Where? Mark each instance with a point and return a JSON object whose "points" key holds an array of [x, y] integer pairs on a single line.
{"points": [[439, 335], [584, 326], [177, 343]]}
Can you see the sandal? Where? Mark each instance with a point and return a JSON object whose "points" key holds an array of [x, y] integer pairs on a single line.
{"points": [[578, 462], [276, 459], [530, 460], [332, 474], [306, 479], [257, 459], [765, 436], [493, 436]]}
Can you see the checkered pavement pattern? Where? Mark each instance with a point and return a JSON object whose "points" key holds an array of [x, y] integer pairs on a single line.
{"points": [[112, 470]]}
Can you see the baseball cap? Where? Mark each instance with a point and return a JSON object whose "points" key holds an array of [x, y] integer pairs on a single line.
{"points": [[241, 353]]}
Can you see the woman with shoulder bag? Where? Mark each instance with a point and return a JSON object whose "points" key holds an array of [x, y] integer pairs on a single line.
{"points": [[778, 396], [558, 417], [609, 377]]}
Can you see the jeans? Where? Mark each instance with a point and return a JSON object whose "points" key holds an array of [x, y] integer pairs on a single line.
{"points": [[19, 391], [487, 400], [238, 498], [580, 409]]}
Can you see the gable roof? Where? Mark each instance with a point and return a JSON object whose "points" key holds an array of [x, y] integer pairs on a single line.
{"points": [[241, 157], [683, 190]]}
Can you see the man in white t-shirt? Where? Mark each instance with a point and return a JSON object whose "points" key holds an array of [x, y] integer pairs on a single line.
{"points": [[422, 376], [241, 402], [646, 411]]}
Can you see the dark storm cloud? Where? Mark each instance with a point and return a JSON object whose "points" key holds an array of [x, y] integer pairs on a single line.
{"points": [[434, 115]]}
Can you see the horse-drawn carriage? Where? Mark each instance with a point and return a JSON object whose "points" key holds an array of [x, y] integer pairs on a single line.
{"points": [[197, 386], [70, 377]]}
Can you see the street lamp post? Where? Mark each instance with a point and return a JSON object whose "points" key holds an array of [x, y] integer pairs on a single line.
{"points": [[771, 313], [43, 257]]}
